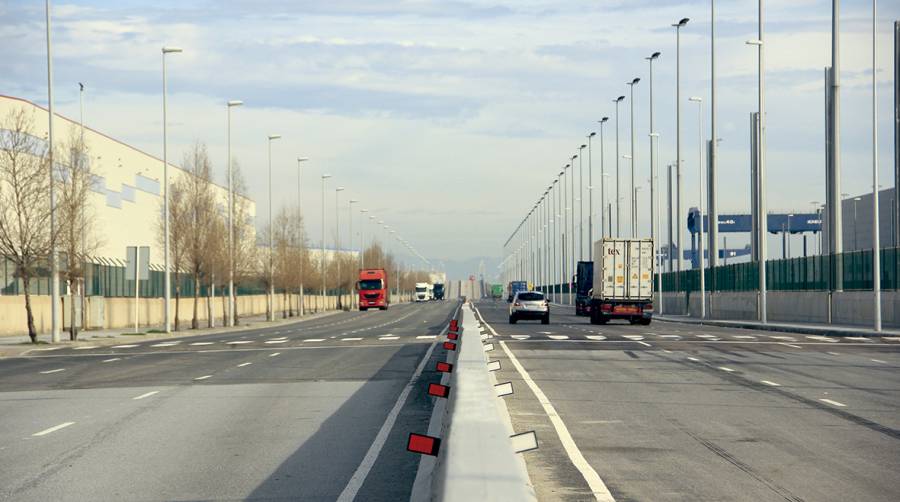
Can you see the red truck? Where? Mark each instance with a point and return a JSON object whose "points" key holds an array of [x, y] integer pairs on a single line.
{"points": [[373, 289]]}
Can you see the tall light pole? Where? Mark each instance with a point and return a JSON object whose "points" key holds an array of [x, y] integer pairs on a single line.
{"points": [[229, 105], [322, 259], [271, 137], [762, 231], [581, 202], [634, 215], [835, 216], [337, 242], [300, 161], [362, 238], [700, 261], [876, 236], [680, 228], [167, 282], [572, 228], [561, 229], [54, 265], [618, 178], [602, 178], [712, 206], [654, 202], [590, 243]]}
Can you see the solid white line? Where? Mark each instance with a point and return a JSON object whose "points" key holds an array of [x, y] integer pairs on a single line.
{"points": [[52, 429], [350, 339], [204, 377], [426, 337], [770, 383], [388, 337], [129, 346], [111, 360], [276, 341], [644, 343], [85, 347], [243, 364], [595, 483], [724, 368], [52, 371], [833, 403], [359, 476], [148, 394], [273, 354], [314, 340]]}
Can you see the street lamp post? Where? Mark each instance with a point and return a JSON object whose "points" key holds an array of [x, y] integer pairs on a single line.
{"points": [[700, 260], [712, 205], [230, 320], [762, 230], [618, 184], [680, 24], [54, 263], [300, 161], [322, 258], [654, 202], [167, 284], [337, 244], [581, 201], [362, 238], [602, 178], [876, 236], [572, 228], [634, 206], [590, 242], [271, 233]]}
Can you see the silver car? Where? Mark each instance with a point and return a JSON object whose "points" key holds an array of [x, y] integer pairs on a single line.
{"points": [[529, 305]]}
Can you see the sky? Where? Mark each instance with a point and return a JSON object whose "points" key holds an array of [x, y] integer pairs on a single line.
{"points": [[448, 119]]}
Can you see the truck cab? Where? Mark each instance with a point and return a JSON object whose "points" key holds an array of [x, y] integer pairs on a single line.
{"points": [[584, 281], [514, 287], [421, 292], [438, 291], [373, 290]]}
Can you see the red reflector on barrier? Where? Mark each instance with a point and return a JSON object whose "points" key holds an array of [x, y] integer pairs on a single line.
{"points": [[438, 390], [452, 336], [449, 345], [444, 367], [454, 324], [426, 445]]}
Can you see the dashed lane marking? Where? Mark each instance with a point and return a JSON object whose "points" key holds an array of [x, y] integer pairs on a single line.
{"points": [[127, 346], [822, 338], [426, 337], [243, 364], [744, 337], [388, 337], [833, 403], [204, 377], [790, 345], [858, 338], [53, 371], [725, 368], [111, 360], [786, 338], [275, 341], [595, 337], [52, 429], [634, 338], [165, 344], [878, 361], [558, 337], [86, 347], [350, 339], [770, 383], [693, 359], [273, 354], [645, 344], [238, 342], [521, 337], [202, 343], [145, 395], [314, 340]]}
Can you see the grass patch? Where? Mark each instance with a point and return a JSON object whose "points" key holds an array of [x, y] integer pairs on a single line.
{"points": [[156, 331], [133, 334]]}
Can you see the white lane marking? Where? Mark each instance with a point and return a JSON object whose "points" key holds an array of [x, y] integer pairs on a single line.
{"points": [[634, 338], [781, 337], [52, 429], [111, 360], [521, 337], [279, 338], [770, 383], [243, 364], [426, 337], [52, 371], [202, 343], [350, 339], [744, 337], [85, 347], [273, 354], [127, 346], [857, 338], [822, 338], [891, 338], [545, 332], [558, 337], [593, 337], [645, 344], [204, 377], [707, 336], [878, 361], [388, 337], [693, 359], [146, 394], [790, 345], [834, 353], [359, 476], [239, 342], [833, 403], [47, 349], [669, 336], [164, 344], [725, 368], [275, 341], [595, 483], [314, 340]]}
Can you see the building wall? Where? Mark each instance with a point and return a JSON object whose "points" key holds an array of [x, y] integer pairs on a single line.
{"points": [[857, 220], [127, 198]]}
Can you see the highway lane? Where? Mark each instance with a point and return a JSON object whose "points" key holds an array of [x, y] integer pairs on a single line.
{"points": [[682, 412], [291, 420]]}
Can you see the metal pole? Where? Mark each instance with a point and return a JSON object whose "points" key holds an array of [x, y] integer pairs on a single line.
{"points": [[669, 219], [835, 217], [167, 282], [54, 265], [322, 259], [581, 202], [761, 159], [337, 242], [572, 228], [300, 215], [700, 261], [590, 242], [634, 216], [618, 194], [230, 320], [896, 205], [712, 207], [876, 237], [271, 241], [654, 137], [602, 180], [654, 182]]}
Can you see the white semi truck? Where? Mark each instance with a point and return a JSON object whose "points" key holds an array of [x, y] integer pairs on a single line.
{"points": [[422, 294], [623, 281]]}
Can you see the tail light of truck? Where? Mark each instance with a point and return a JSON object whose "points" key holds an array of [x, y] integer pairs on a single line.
{"points": [[648, 307], [606, 307]]}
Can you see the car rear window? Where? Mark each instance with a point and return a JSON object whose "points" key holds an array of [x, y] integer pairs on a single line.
{"points": [[530, 297]]}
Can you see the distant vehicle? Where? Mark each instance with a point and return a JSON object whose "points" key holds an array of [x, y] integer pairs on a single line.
{"points": [[430, 290], [373, 289], [496, 291], [438, 291], [623, 286], [584, 281], [514, 287], [421, 292], [529, 305]]}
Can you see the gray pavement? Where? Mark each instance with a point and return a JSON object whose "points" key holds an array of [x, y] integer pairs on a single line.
{"points": [[687, 412], [274, 413]]}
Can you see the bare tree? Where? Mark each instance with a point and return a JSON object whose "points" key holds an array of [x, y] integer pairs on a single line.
{"points": [[178, 231], [244, 245], [77, 236], [25, 237]]}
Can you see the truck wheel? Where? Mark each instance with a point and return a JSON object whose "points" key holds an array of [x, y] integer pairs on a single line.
{"points": [[512, 319], [382, 308], [545, 319], [363, 309], [645, 321]]}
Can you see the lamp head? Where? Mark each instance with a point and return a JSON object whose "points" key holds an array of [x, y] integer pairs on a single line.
{"points": [[235, 102]]}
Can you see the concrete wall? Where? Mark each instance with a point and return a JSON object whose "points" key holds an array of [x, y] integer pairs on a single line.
{"points": [[853, 308]]}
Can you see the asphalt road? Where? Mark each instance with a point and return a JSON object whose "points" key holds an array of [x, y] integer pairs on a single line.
{"points": [[286, 413], [682, 412]]}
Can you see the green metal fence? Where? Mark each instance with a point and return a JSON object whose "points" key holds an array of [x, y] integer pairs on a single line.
{"points": [[811, 273]]}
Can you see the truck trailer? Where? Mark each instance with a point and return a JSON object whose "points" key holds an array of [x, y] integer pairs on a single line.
{"points": [[623, 281]]}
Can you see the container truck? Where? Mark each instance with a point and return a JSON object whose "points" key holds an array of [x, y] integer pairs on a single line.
{"points": [[373, 289], [623, 284], [584, 281], [514, 287]]}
